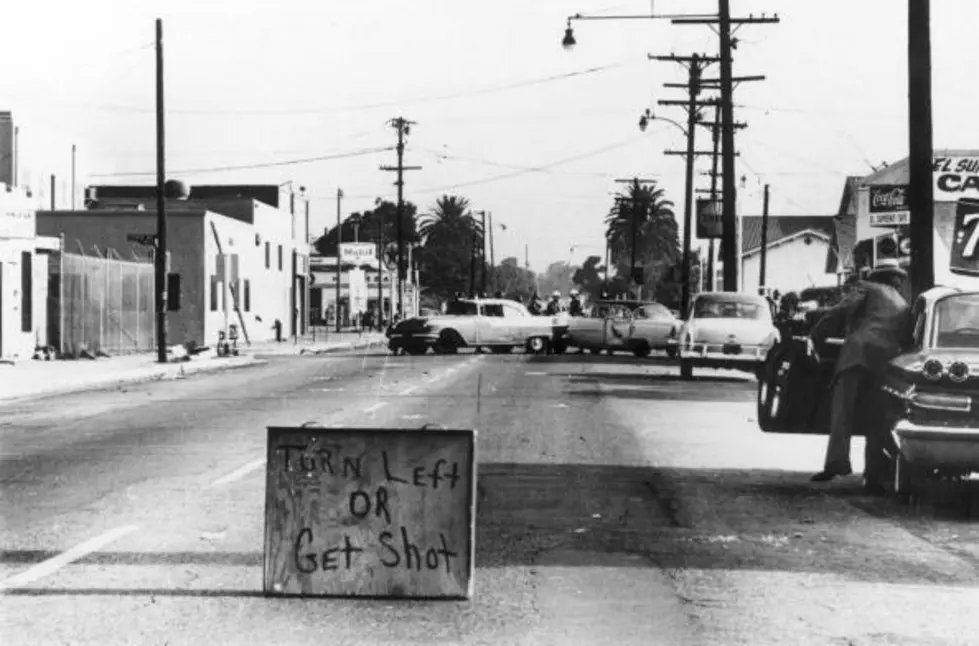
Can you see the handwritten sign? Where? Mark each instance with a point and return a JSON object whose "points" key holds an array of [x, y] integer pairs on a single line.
{"points": [[369, 512]]}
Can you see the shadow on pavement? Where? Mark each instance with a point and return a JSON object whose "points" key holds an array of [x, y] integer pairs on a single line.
{"points": [[646, 378]]}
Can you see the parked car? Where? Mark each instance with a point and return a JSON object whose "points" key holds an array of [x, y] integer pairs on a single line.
{"points": [[928, 402], [727, 330], [495, 323], [624, 326]]}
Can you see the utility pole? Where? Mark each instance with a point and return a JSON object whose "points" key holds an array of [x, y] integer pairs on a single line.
{"points": [[492, 254], [403, 128], [472, 258], [73, 151], [716, 137], [336, 308], [920, 155], [161, 214], [729, 218], [482, 248], [764, 242], [695, 65], [380, 275]]}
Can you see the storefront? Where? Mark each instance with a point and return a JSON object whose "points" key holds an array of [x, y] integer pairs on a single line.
{"points": [[875, 209]]}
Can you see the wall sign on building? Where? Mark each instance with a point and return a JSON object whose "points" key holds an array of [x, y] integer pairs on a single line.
{"points": [[370, 512], [965, 241], [358, 252], [709, 222], [889, 205], [956, 177]]}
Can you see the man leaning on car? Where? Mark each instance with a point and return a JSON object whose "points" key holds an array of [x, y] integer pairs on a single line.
{"points": [[874, 319]]}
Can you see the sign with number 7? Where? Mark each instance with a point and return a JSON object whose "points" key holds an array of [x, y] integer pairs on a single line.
{"points": [[965, 240]]}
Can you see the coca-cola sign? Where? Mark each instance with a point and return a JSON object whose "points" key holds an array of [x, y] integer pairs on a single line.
{"points": [[889, 198]]}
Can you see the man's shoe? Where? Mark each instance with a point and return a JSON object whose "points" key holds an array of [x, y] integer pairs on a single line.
{"points": [[828, 474]]}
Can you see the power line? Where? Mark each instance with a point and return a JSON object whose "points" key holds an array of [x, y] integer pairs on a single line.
{"points": [[288, 162], [365, 106], [486, 162]]}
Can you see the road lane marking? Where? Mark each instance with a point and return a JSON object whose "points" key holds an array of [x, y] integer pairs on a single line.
{"points": [[331, 390], [375, 407], [239, 473], [413, 416], [409, 390], [54, 564], [535, 374]]}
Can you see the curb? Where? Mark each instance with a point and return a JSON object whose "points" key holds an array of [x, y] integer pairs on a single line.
{"points": [[172, 372], [305, 351]]}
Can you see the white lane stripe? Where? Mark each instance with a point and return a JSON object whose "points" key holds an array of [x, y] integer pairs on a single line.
{"points": [[535, 374], [54, 564], [409, 390], [375, 407], [239, 473]]}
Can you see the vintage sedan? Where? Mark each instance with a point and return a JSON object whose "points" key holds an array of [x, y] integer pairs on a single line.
{"points": [[495, 323], [624, 326], [928, 401], [727, 330]]}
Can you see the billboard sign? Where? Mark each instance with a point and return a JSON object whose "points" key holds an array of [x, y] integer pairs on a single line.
{"points": [[965, 239], [889, 205], [955, 178], [709, 224], [358, 252]]}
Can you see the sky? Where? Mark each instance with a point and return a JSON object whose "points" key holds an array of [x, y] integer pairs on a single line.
{"points": [[530, 132]]}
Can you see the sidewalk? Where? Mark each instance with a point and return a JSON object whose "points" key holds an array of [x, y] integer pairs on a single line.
{"points": [[322, 344], [29, 379]]}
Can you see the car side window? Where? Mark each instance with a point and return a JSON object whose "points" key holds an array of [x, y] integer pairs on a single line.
{"points": [[511, 312], [493, 309]]}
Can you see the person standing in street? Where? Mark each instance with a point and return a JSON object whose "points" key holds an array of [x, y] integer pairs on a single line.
{"points": [[574, 306], [554, 305], [875, 320]]}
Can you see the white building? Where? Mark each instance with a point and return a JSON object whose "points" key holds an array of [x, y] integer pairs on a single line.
{"points": [[795, 257], [23, 276]]}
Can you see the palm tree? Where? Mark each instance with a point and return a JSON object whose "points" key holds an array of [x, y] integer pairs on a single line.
{"points": [[451, 214], [656, 230], [448, 233]]}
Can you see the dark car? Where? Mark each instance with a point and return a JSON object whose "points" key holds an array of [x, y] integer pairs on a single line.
{"points": [[929, 402]]}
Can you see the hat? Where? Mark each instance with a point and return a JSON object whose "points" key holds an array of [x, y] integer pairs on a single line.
{"points": [[888, 266], [556, 294]]}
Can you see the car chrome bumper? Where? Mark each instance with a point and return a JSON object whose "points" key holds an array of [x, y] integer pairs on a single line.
{"points": [[951, 447], [712, 352], [400, 340]]}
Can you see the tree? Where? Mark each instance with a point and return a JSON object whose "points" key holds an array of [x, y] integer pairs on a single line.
{"points": [[364, 225], [448, 232], [558, 277], [669, 290], [590, 277], [656, 234], [514, 281]]}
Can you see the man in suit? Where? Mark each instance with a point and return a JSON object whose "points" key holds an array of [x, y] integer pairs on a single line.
{"points": [[875, 320]]}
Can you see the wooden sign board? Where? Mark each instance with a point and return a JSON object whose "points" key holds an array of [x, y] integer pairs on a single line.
{"points": [[370, 512]]}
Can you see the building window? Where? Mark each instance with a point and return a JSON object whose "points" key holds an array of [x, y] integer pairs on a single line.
{"points": [[248, 295], [215, 287], [268, 255], [280, 257], [27, 291]]}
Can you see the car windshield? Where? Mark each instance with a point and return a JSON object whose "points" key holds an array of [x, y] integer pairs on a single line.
{"points": [[957, 321], [461, 308], [730, 308]]}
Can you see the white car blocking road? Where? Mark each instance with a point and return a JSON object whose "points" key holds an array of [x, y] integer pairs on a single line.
{"points": [[727, 330], [624, 326]]}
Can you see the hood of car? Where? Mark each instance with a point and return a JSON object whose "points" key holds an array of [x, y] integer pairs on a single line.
{"points": [[721, 330]]}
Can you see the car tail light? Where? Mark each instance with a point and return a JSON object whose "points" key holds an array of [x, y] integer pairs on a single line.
{"points": [[958, 372], [932, 369]]}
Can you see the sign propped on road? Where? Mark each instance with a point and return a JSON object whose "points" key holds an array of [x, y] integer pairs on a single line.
{"points": [[370, 513]]}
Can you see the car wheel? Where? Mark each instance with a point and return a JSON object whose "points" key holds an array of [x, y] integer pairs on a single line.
{"points": [[448, 343], [595, 351], [536, 345], [501, 349], [559, 347], [907, 480], [686, 370], [641, 350], [417, 351]]}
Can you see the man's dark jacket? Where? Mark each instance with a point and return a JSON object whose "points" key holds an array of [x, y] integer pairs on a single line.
{"points": [[875, 320]]}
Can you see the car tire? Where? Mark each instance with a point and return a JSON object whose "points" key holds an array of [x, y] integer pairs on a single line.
{"points": [[595, 351], [447, 343], [908, 480], [417, 351], [686, 370], [537, 345], [641, 350], [501, 349]]}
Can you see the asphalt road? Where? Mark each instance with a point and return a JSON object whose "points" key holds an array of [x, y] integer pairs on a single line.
{"points": [[616, 504]]}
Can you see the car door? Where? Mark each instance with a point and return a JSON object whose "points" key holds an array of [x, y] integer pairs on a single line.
{"points": [[588, 331], [519, 324], [653, 324], [617, 324], [491, 326]]}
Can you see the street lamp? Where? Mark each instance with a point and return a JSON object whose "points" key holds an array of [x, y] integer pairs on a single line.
{"points": [[569, 41], [648, 116]]}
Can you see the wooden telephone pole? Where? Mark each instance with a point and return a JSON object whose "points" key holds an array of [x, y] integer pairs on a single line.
{"points": [[729, 218], [160, 256], [403, 128], [920, 154]]}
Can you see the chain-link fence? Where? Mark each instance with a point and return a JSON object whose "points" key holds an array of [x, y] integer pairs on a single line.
{"points": [[102, 305]]}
